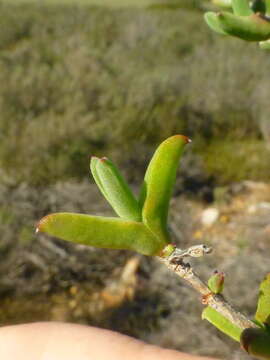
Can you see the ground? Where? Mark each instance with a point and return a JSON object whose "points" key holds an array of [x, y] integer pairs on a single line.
{"points": [[46, 279]]}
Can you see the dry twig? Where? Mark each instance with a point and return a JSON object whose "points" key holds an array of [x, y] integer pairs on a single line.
{"points": [[176, 264]]}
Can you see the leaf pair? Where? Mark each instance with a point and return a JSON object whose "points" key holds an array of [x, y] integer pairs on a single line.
{"points": [[142, 225], [247, 23]]}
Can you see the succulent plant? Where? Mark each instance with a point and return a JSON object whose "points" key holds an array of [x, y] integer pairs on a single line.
{"points": [[142, 226], [248, 21], [142, 223]]}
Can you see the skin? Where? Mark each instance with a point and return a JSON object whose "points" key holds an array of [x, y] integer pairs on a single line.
{"points": [[59, 341]]}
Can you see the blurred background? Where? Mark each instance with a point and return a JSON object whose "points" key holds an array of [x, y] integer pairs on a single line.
{"points": [[115, 78]]}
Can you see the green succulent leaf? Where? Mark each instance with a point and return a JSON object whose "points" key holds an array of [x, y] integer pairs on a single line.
{"points": [[220, 322], [241, 7], [216, 282], [251, 28], [256, 342], [263, 308], [115, 189], [212, 21], [158, 183], [102, 232]]}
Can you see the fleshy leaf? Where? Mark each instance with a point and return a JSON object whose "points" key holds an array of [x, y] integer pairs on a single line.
{"points": [[102, 232], [241, 7], [216, 282], [256, 342], [220, 322], [263, 308], [212, 21], [158, 183], [115, 189], [93, 163], [251, 28]]}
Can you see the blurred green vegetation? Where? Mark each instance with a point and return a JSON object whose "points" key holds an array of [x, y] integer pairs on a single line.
{"points": [[80, 81], [113, 3]]}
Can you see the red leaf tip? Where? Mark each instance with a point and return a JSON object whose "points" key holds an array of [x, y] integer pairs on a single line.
{"points": [[186, 139], [41, 223]]}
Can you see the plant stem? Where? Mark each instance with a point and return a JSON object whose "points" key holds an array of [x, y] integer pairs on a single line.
{"points": [[216, 301]]}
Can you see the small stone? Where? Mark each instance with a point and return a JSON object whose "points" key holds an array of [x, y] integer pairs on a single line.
{"points": [[209, 216]]}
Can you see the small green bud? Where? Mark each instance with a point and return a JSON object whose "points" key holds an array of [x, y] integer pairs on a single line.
{"points": [[168, 250], [216, 282]]}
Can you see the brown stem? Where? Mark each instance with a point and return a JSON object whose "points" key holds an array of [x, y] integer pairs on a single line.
{"points": [[216, 301]]}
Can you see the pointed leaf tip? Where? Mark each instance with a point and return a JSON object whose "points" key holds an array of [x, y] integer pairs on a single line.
{"points": [[158, 184], [42, 223], [184, 138], [212, 21]]}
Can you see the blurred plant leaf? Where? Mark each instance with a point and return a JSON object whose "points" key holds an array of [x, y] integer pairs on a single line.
{"points": [[263, 308], [251, 28], [256, 342], [241, 7], [267, 4], [258, 6], [102, 232]]}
